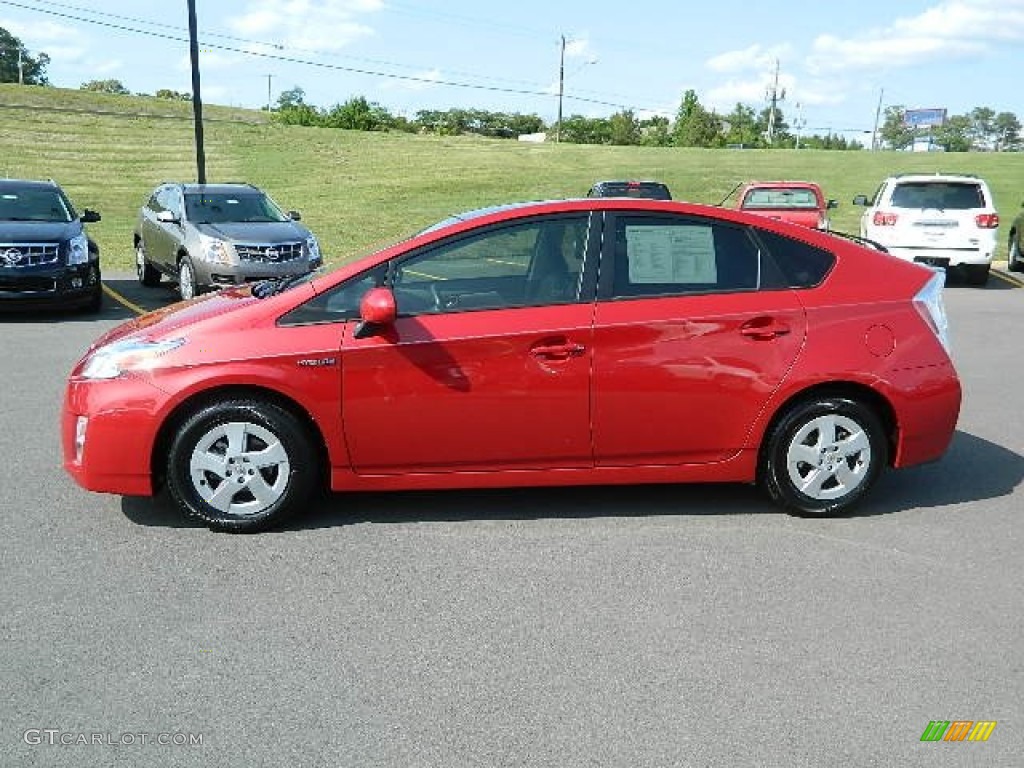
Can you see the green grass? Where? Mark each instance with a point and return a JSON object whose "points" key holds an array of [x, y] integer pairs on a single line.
{"points": [[360, 190]]}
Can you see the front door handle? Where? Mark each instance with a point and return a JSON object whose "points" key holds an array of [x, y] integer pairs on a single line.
{"points": [[557, 351]]}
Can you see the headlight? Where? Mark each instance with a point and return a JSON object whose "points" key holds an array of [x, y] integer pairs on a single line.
{"points": [[111, 361], [78, 250], [313, 249], [215, 251]]}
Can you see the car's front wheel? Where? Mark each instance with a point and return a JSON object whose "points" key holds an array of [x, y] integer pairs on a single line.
{"points": [[823, 456], [242, 465], [1013, 262], [187, 287], [148, 275]]}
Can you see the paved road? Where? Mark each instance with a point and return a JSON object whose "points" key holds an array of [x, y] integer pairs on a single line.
{"points": [[656, 626]]}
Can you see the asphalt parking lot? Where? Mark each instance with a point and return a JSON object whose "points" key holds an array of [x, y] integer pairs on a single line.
{"points": [[645, 626]]}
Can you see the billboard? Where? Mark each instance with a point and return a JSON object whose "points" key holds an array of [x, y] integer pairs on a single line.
{"points": [[924, 118]]}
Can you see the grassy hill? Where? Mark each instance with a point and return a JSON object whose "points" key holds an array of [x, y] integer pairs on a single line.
{"points": [[358, 190]]}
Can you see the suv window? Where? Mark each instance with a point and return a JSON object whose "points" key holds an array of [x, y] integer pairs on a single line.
{"points": [[939, 195]]}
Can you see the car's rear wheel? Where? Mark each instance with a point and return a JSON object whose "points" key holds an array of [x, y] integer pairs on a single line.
{"points": [[187, 287], [148, 275], [823, 456], [1013, 254], [242, 466], [977, 274]]}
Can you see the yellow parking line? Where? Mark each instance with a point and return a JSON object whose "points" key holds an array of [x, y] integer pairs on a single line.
{"points": [[122, 300], [1006, 278]]}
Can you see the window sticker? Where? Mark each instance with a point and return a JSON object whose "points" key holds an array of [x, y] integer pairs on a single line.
{"points": [[671, 254]]}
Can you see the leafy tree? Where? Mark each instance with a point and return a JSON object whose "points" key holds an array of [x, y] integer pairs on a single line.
{"points": [[695, 126], [780, 128], [655, 132], [982, 127], [1007, 131], [894, 132], [32, 68], [741, 127], [293, 97], [956, 134], [586, 130], [358, 114], [624, 129], [105, 86]]}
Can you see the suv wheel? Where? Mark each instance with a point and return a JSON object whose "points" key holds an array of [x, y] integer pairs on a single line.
{"points": [[1013, 254], [186, 279], [148, 275]]}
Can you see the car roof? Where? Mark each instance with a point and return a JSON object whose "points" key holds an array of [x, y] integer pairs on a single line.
{"points": [[11, 184], [941, 177], [224, 189], [783, 184]]}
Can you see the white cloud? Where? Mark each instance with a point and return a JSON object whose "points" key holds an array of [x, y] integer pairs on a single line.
{"points": [[954, 28], [756, 58], [58, 41], [311, 25]]}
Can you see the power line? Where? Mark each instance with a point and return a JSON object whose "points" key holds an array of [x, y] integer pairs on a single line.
{"points": [[306, 62]]}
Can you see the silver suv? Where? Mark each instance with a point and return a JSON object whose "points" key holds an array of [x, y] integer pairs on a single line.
{"points": [[215, 235], [944, 220]]}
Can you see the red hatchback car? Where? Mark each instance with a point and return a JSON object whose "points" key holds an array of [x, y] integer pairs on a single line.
{"points": [[569, 342]]}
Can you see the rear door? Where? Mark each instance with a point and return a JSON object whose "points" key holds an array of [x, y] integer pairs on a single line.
{"points": [[687, 346]]}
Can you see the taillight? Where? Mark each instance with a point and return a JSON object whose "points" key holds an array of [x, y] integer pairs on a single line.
{"points": [[932, 309], [987, 220], [884, 219]]}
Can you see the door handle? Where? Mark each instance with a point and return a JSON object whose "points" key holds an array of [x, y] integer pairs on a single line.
{"points": [[557, 351], [764, 329]]}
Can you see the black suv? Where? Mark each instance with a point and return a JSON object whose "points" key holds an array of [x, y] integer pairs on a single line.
{"points": [[215, 235], [46, 258], [654, 190]]}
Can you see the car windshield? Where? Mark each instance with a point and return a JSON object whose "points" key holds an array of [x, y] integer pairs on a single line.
{"points": [[221, 208], [780, 197], [938, 195], [34, 205]]}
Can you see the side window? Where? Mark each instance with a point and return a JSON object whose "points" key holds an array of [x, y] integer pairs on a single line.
{"points": [[340, 303], [671, 256], [799, 265], [520, 265]]}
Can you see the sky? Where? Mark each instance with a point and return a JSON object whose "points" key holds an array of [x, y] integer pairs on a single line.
{"points": [[832, 64]]}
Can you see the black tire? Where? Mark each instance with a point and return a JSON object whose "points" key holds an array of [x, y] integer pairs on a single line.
{"points": [[1013, 260], [95, 303], [187, 286], [148, 275], [242, 466], [977, 274], [813, 442]]}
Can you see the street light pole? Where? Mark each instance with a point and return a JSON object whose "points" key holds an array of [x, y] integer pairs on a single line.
{"points": [[561, 90], [197, 101]]}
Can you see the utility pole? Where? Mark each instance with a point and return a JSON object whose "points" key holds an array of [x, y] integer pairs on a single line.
{"points": [[21, 68], [269, 77], [878, 112], [774, 96], [197, 101], [561, 90]]}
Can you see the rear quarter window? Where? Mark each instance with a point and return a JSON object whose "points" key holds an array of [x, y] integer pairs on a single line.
{"points": [[798, 264]]}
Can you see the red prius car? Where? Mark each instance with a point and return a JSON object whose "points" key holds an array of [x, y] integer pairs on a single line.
{"points": [[590, 341]]}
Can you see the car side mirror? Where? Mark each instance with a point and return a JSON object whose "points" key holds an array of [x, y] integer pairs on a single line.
{"points": [[294, 215], [832, 204], [861, 200], [89, 217], [167, 217], [377, 310]]}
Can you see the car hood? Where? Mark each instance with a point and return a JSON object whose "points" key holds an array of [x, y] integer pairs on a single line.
{"points": [[203, 315], [255, 232], [38, 231]]}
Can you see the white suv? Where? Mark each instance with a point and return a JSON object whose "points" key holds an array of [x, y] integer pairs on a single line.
{"points": [[943, 220]]}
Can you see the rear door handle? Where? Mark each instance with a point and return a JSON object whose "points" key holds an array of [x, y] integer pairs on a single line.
{"points": [[764, 329]]}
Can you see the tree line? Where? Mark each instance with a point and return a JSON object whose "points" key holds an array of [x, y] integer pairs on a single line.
{"points": [[982, 129]]}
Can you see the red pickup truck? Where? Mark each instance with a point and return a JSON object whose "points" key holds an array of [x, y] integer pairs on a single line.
{"points": [[799, 202]]}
